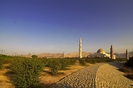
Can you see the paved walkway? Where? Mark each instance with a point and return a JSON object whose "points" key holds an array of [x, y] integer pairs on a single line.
{"points": [[83, 78], [96, 76], [108, 76]]}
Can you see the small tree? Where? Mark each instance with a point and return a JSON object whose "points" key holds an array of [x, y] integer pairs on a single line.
{"points": [[55, 65], [26, 72], [34, 56]]}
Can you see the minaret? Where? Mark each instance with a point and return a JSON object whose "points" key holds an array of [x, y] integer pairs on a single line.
{"points": [[63, 55], [112, 53], [127, 54], [80, 48]]}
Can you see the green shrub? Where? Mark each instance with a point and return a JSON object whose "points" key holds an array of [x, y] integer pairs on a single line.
{"points": [[64, 63], [34, 56], [26, 72], [99, 60], [82, 61], [1, 62], [55, 65], [72, 61], [44, 61], [7, 61], [92, 61]]}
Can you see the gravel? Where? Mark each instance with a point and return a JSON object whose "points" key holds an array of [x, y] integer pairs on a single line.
{"points": [[83, 78], [101, 75], [108, 76]]}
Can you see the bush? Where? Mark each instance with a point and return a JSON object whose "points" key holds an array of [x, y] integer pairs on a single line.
{"points": [[92, 61], [55, 65], [26, 72], [82, 61], [7, 61], [72, 61], [44, 61], [99, 60], [34, 56], [1, 62], [64, 63]]}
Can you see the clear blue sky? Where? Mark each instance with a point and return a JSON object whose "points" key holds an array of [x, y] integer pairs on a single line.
{"points": [[55, 26]]}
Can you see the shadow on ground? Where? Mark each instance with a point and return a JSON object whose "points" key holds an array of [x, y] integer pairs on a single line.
{"points": [[60, 85], [54, 85], [117, 64]]}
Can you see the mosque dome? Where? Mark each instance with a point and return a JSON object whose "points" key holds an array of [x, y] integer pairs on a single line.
{"points": [[101, 51]]}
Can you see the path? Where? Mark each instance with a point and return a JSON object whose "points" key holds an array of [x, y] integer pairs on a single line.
{"points": [[83, 78], [96, 76], [108, 76]]}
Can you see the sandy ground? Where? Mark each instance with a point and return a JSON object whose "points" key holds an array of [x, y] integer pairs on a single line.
{"points": [[46, 79], [4, 80]]}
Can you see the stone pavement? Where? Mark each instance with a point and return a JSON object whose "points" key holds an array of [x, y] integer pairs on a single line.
{"points": [[108, 76], [101, 75], [83, 78]]}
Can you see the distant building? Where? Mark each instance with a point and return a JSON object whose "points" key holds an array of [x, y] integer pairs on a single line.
{"points": [[127, 54], [80, 48], [112, 56], [101, 54]]}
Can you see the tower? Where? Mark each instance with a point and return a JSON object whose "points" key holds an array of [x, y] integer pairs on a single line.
{"points": [[127, 54], [112, 52], [63, 56], [80, 48]]}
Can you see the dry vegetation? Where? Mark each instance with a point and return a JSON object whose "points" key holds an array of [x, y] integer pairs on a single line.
{"points": [[46, 78]]}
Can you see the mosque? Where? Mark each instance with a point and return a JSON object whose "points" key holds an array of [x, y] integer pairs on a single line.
{"points": [[99, 54], [102, 54]]}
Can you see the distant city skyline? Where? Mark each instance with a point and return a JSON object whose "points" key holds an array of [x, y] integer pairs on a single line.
{"points": [[55, 26]]}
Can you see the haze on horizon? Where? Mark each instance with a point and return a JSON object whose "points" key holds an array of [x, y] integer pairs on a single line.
{"points": [[55, 26]]}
